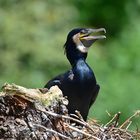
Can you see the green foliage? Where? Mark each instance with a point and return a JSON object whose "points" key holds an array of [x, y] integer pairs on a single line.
{"points": [[32, 38], [110, 14], [118, 71], [118, 74], [32, 34]]}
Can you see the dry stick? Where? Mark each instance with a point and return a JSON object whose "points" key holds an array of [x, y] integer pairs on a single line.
{"points": [[128, 125], [79, 115], [82, 132], [67, 117], [116, 118], [52, 131], [128, 120], [108, 113], [74, 115]]}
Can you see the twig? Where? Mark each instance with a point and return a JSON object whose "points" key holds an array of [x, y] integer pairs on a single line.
{"points": [[108, 113], [82, 132], [115, 118], [79, 115], [74, 115], [67, 117], [52, 131], [126, 123]]}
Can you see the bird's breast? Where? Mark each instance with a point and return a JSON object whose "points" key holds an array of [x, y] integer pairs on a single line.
{"points": [[83, 72], [84, 77]]}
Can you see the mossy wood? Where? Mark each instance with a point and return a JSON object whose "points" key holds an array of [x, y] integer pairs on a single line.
{"points": [[41, 114]]}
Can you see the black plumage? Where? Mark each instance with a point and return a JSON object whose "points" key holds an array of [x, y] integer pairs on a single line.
{"points": [[78, 84]]}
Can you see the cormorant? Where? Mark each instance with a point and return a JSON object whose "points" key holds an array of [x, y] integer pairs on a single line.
{"points": [[79, 84]]}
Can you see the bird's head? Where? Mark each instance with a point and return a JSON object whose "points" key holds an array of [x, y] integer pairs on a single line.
{"points": [[79, 41], [83, 38]]}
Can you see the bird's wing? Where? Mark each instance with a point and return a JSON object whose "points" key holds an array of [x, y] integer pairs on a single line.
{"points": [[58, 80], [55, 81], [94, 94]]}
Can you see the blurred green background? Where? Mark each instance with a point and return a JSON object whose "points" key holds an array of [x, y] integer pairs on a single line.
{"points": [[32, 34]]}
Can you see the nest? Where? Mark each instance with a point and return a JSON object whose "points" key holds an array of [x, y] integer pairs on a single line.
{"points": [[41, 114]]}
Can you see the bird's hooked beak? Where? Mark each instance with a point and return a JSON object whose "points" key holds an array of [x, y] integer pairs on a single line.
{"points": [[88, 39]]}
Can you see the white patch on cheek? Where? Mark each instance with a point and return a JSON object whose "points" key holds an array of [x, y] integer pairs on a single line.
{"points": [[82, 48], [79, 44]]}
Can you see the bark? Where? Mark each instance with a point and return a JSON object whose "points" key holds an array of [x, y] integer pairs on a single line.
{"points": [[41, 114]]}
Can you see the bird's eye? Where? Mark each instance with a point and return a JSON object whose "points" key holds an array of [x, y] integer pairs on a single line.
{"points": [[83, 32]]}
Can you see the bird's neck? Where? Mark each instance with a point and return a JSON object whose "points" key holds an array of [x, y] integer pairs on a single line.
{"points": [[74, 55], [79, 62], [83, 72]]}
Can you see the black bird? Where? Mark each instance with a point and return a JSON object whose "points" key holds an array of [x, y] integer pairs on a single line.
{"points": [[78, 84]]}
